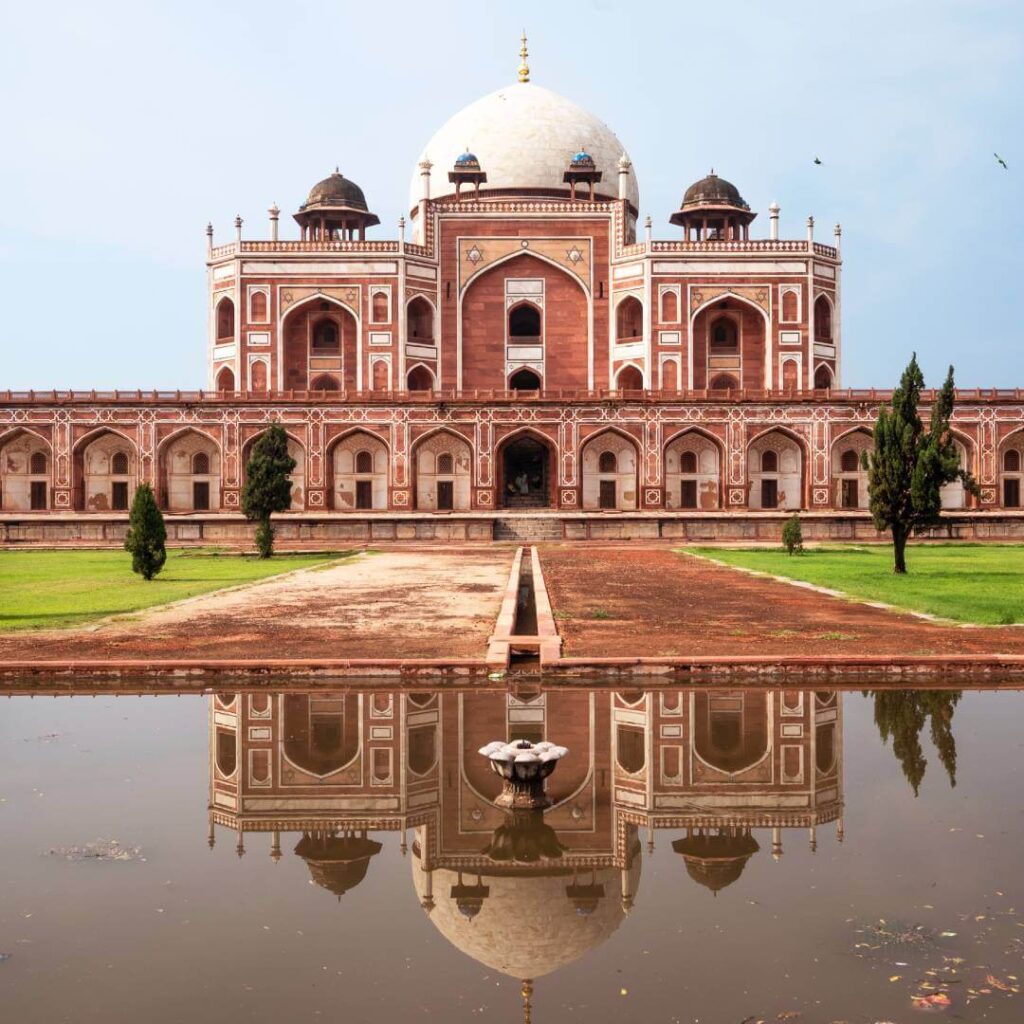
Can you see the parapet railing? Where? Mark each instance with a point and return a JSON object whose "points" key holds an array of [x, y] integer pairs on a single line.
{"points": [[441, 396], [376, 248]]}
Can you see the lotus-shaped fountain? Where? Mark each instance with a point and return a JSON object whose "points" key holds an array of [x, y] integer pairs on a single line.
{"points": [[523, 767]]}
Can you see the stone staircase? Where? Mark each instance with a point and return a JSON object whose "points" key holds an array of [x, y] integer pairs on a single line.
{"points": [[525, 502], [528, 528]]}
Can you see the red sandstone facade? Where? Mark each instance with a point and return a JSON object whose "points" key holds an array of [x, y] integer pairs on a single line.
{"points": [[525, 352]]}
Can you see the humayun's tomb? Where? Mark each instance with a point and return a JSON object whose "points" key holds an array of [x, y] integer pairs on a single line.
{"points": [[526, 366]]}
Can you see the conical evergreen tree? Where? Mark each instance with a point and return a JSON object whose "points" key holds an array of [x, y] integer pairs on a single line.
{"points": [[909, 464], [146, 534], [901, 716], [267, 486]]}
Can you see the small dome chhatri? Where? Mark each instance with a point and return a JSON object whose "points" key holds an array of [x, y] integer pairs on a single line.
{"points": [[467, 162], [336, 191], [583, 161], [335, 210], [713, 191], [714, 211]]}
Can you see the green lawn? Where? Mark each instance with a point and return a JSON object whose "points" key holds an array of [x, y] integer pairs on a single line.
{"points": [[967, 582], [68, 588]]}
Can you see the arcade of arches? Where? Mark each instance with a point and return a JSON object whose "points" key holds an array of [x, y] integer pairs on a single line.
{"points": [[357, 472]]}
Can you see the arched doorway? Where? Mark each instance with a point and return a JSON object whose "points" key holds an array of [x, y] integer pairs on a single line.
{"points": [[524, 380], [525, 473], [420, 378]]}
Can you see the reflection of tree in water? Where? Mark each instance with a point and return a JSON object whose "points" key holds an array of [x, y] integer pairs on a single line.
{"points": [[902, 714]]}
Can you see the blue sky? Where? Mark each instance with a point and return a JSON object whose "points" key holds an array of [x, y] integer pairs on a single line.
{"points": [[126, 126]]}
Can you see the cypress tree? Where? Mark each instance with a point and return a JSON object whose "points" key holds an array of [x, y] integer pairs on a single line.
{"points": [[909, 464], [267, 487], [901, 716], [146, 534]]}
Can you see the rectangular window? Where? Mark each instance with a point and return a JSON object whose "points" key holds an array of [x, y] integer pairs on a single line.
{"points": [[445, 495], [37, 495], [688, 494], [769, 494], [119, 496], [200, 495], [364, 494], [1011, 493], [607, 495], [848, 494]]}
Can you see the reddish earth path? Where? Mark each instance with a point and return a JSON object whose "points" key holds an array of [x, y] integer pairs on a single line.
{"points": [[632, 601], [412, 603]]}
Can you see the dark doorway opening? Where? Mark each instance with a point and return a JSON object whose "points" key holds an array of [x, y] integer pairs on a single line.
{"points": [[688, 494], [769, 493], [364, 493], [1011, 493], [119, 496], [445, 495], [524, 380], [37, 495], [200, 496], [849, 496], [527, 474], [606, 498]]}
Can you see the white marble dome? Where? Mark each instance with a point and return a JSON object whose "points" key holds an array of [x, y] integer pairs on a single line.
{"points": [[527, 926], [524, 136]]}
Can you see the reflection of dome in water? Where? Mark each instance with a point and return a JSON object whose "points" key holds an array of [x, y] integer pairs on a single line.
{"points": [[528, 925], [716, 860], [337, 863]]}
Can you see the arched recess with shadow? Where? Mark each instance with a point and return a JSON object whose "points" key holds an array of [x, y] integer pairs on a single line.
{"points": [[322, 734], [731, 729], [26, 465], [443, 466], [358, 464], [610, 464], [189, 472], [527, 467], [105, 471], [693, 471]]}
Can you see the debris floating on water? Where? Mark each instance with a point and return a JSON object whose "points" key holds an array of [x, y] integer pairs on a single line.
{"points": [[100, 849]]}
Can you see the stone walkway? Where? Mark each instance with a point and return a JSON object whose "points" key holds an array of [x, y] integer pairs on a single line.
{"points": [[414, 603], [652, 602]]}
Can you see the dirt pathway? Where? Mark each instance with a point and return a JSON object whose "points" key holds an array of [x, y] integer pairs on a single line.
{"points": [[438, 603], [633, 601]]}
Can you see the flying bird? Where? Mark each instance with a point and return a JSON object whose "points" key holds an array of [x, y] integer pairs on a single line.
{"points": [[817, 160], [1002, 163]]}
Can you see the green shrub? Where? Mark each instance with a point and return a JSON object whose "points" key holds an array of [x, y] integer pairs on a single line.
{"points": [[792, 535], [146, 534]]}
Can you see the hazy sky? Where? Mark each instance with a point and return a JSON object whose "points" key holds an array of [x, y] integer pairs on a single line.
{"points": [[126, 126]]}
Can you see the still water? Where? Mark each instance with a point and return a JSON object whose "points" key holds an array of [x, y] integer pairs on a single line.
{"points": [[725, 855]]}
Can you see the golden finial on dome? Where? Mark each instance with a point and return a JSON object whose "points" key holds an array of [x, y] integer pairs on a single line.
{"points": [[524, 68], [527, 993]]}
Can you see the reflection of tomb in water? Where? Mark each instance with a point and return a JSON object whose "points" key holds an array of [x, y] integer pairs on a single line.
{"points": [[526, 896]]}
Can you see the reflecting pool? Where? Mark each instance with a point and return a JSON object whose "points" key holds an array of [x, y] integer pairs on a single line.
{"points": [[707, 855]]}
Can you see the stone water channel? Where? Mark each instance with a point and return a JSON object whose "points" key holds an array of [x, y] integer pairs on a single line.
{"points": [[731, 855]]}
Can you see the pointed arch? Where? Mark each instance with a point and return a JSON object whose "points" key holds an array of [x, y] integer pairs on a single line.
{"points": [[358, 464], [97, 486], [782, 487], [180, 488], [699, 355], [697, 483], [26, 470], [419, 377], [850, 489], [629, 319], [225, 382], [296, 339], [824, 378], [442, 462], [616, 489], [629, 377], [526, 453]]}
